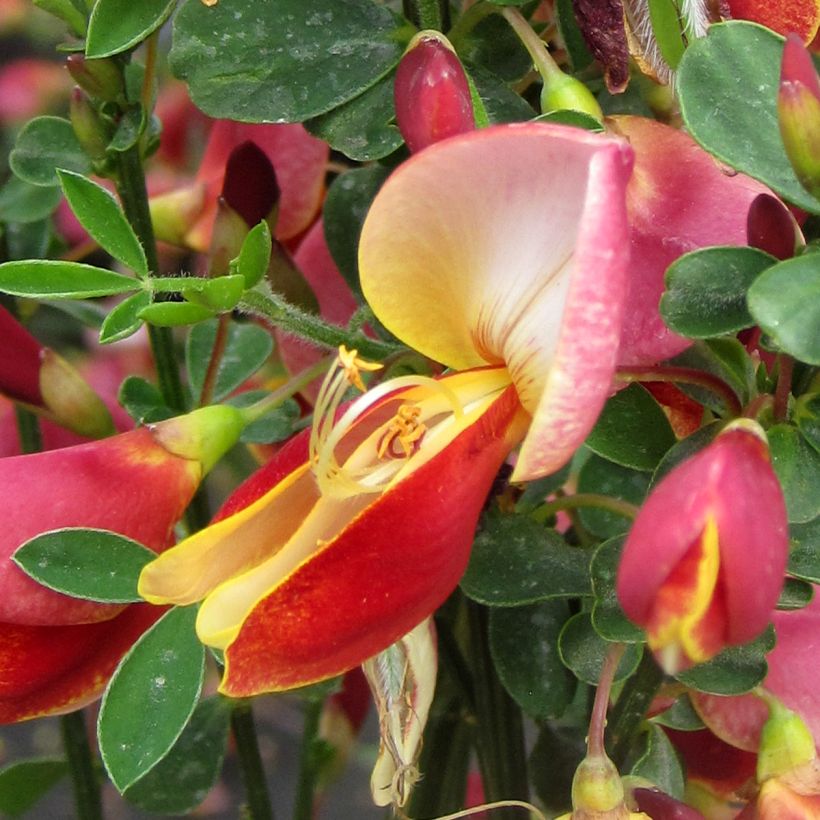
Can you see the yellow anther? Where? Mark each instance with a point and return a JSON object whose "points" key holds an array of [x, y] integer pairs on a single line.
{"points": [[404, 428], [353, 365]]}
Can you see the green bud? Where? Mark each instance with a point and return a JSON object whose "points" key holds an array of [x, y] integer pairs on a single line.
{"points": [[785, 742], [100, 78], [89, 129], [562, 92]]}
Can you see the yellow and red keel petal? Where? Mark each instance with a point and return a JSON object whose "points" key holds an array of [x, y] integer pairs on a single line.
{"points": [[388, 568]]}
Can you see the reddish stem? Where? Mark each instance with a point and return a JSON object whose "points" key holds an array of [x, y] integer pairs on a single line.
{"points": [[784, 386], [597, 721]]}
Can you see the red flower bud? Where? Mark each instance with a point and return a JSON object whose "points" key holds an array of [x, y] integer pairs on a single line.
{"points": [[431, 92], [703, 565]]}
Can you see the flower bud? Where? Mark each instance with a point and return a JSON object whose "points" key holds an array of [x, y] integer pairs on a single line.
{"points": [[798, 108], [100, 78], [771, 227], [702, 567], [88, 127], [598, 793], [785, 742], [562, 92], [175, 213], [431, 92]]}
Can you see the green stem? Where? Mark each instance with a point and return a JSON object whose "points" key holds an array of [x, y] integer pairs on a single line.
{"points": [[499, 725], [628, 713], [469, 20], [250, 763], [291, 318], [134, 198], [571, 502], [306, 785], [81, 766], [536, 47], [28, 430], [428, 13], [683, 375]]}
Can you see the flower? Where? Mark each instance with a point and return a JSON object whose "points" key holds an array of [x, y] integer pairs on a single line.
{"points": [[56, 651], [702, 567], [801, 17], [351, 536]]}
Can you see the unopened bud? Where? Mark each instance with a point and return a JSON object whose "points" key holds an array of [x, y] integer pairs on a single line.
{"points": [[798, 108], [771, 227], [100, 78], [431, 92], [785, 742], [89, 129], [176, 213], [562, 92], [596, 786], [250, 186], [227, 236]]}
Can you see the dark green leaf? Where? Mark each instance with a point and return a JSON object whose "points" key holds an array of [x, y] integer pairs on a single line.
{"points": [[93, 564], [667, 30], [53, 279], [346, 205], [536, 492], [796, 594], [583, 651], [725, 358], [116, 25], [254, 256], [183, 778], [23, 202], [517, 561], [686, 449], [680, 715], [286, 61], [142, 401], [23, 784], [100, 214], [608, 618], [659, 763], [576, 46], [797, 465], [277, 425], [89, 314], [785, 302], [706, 290], [247, 348], [363, 127], [67, 11], [44, 145], [151, 697], [493, 45], [632, 430], [27, 240], [568, 116], [607, 478], [523, 643], [555, 757], [734, 671], [174, 314], [807, 416], [727, 85], [500, 102], [804, 558], [129, 129], [124, 320]]}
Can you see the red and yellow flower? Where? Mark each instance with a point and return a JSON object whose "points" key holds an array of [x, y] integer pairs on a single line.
{"points": [[502, 254]]}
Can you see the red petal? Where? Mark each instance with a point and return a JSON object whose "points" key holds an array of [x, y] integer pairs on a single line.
{"points": [[783, 16]]}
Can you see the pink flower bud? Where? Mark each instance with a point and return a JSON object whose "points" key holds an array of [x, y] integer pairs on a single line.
{"points": [[431, 92], [703, 565], [100, 78]]}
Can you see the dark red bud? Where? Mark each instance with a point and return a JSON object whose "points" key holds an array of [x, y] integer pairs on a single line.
{"points": [[250, 186], [661, 806], [770, 227], [100, 78]]}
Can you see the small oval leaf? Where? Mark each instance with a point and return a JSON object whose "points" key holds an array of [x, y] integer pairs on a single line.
{"points": [[116, 25], [43, 145]]}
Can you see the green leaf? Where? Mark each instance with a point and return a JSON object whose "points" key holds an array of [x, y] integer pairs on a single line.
{"points": [[23, 784], [97, 565], [804, 558], [666, 26], [174, 314], [116, 25], [579, 54], [53, 279], [362, 128], [277, 425], [100, 214], [608, 618], [66, 11], [220, 294], [706, 290], [796, 594], [535, 493], [559, 749], [124, 320], [129, 129], [632, 430], [23, 202], [254, 255], [725, 358], [680, 715], [785, 302], [807, 417], [346, 206], [247, 348], [659, 763], [286, 61], [27, 240], [151, 697], [607, 478], [727, 86], [86, 313], [183, 778], [500, 102], [734, 671], [568, 116], [494, 46], [142, 401], [583, 651], [516, 561], [797, 465], [43, 145], [523, 644]]}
